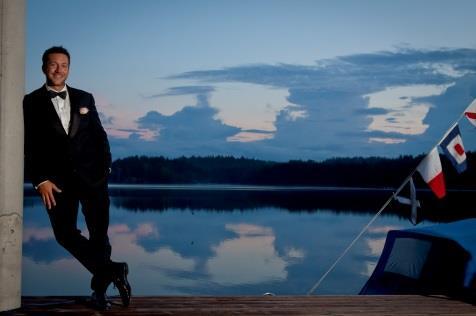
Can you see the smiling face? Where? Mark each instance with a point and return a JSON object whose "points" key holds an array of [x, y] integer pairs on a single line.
{"points": [[56, 70]]}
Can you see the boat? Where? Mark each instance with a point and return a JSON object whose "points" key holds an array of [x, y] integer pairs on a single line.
{"points": [[433, 260]]}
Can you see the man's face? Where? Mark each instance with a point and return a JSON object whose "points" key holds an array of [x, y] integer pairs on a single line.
{"points": [[56, 70]]}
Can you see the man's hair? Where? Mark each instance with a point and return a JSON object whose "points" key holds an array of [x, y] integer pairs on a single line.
{"points": [[54, 50]]}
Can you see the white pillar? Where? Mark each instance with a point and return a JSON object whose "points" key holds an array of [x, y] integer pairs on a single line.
{"points": [[12, 89]]}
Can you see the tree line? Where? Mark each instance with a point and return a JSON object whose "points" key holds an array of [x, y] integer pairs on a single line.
{"points": [[336, 172]]}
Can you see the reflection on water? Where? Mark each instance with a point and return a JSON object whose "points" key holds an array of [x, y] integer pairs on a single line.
{"points": [[212, 242], [252, 255]]}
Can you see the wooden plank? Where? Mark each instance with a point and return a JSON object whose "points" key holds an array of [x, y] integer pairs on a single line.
{"points": [[255, 305]]}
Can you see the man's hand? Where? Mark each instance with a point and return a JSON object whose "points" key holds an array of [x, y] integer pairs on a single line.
{"points": [[46, 191]]}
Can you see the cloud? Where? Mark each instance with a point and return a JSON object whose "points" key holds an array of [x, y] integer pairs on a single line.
{"points": [[191, 124], [371, 111], [383, 103], [152, 120], [373, 71], [106, 120], [406, 110], [185, 90], [44, 250], [252, 256], [193, 130], [244, 137]]}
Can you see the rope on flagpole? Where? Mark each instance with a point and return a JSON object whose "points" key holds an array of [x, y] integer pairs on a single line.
{"points": [[316, 285], [346, 250]]}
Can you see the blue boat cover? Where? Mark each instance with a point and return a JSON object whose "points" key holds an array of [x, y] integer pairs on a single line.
{"points": [[437, 259]]}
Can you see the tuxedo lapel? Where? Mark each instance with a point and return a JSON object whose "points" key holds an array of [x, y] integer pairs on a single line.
{"points": [[74, 118], [51, 112]]}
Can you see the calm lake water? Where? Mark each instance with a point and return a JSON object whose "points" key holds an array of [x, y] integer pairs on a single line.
{"points": [[220, 240]]}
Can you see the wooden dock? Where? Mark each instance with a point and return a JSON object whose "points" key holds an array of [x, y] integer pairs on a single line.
{"points": [[255, 305]]}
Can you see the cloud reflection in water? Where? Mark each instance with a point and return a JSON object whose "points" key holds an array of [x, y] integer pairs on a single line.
{"points": [[212, 251], [251, 257]]}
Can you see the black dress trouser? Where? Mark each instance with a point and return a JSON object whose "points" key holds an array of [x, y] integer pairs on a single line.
{"points": [[94, 253]]}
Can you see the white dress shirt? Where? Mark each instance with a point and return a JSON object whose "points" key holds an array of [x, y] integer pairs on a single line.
{"points": [[62, 107]]}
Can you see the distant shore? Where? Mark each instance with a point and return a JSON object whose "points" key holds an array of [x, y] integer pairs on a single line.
{"points": [[222, 172]]}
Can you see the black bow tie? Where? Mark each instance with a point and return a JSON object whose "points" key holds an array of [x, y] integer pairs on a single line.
{"points": [[54, 94]]}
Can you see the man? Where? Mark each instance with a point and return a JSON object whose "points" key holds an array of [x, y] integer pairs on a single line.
{"points": [[68, 159]]}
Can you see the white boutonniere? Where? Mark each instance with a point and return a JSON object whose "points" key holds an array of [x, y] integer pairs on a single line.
{"points": [[83, 110]]}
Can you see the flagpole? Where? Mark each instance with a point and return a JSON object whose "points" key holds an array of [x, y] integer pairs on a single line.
{"points": [[318, 283]]}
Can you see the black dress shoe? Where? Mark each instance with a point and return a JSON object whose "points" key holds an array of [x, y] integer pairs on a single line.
{"points": [[119, 278], [100, 302]]}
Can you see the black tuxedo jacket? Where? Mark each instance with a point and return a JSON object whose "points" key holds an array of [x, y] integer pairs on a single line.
{"points": [[51, 153]]}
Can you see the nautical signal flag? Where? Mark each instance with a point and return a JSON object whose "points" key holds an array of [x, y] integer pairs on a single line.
{"points": [[452, 146], [412, 201], [431, 171], [470, 112]]}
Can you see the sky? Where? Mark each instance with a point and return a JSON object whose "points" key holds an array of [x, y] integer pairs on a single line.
{"points": [[271, 79]]}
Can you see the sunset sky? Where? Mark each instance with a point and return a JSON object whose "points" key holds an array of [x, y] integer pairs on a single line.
{"points": [[269, 79]]}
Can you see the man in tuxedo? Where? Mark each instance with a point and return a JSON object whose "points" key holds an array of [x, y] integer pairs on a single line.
{"points": [[68, 159]]}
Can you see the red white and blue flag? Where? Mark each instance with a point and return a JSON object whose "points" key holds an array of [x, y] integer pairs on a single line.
{"points": [[431, 171], [452, 146], [470, 113]]}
